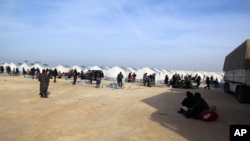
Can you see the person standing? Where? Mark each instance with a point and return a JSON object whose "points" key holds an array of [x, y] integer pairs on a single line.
{"points": [[119, 79], [208, 83], [198, 81], [145, 79], [44, 84], [82, 74], [33, 72], [149, 80], [166, 79], [98, 79], [129, 77], [75, 76], [134, 76], [92, 77], [55, 73]]}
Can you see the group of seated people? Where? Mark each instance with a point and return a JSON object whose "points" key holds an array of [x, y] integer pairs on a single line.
{"points": [[194, 106], [178, 81]]}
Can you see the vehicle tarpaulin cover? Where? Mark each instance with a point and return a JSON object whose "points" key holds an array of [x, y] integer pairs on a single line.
{"points": [[238, 58]]}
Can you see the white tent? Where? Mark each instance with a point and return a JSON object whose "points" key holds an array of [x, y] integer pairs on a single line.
{"points": [[13, 65], [105, 70], [36, 65], [181, 73], [160, 75], [112, 73], [166, 72], [24, 66], [85, 69], [78, 69], [4, 65], [95, 68], [129, 69], [46, 66], [215, 75], [62, 69], [198, 73], [142, 71]]}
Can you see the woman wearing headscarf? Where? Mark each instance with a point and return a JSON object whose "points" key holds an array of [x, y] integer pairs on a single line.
{"points": [[187, 102]]}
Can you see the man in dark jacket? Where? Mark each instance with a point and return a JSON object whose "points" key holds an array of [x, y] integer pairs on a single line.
{"points": [[75, 76], [119, 79], [208, 83], [44, 84], [55, 73]]}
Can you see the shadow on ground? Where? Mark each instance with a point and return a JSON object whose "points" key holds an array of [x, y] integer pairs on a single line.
{"points": [[230, 111]]}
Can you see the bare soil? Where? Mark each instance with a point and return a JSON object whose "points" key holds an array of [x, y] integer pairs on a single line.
{"points": [[135, 113]]}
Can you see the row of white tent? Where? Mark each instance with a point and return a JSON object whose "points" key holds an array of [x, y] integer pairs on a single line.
{"points": [[111, 73]]}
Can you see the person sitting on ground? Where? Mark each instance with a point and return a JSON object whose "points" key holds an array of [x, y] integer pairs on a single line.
{"points": [[187, 103], [199, 106], [188, 82]]}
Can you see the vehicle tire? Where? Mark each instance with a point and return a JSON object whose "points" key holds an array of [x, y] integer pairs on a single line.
{"points": [[247, 91], [240, 94], [226, 87]]}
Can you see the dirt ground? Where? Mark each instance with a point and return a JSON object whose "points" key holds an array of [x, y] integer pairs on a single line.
{"points": [[135, 113]]}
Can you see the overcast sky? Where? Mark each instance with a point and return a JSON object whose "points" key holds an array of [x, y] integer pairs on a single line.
{"points": [[164, 34]]}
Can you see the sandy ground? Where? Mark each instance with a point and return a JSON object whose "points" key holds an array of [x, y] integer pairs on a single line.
{"points": [[135, 113]]}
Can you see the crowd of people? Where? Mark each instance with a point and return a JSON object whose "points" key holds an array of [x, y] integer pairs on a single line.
{"points": [[14, 71], [90, 75], [176, 81], [192, 106], [148, 80], [131, 78], [32, 72], [187, 81]]}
